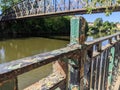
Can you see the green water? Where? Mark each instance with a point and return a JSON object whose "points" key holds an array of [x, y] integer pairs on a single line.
{"points": [[18, 48]]}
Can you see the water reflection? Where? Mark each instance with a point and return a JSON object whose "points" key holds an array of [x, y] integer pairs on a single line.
{"points": [[20, 48]]}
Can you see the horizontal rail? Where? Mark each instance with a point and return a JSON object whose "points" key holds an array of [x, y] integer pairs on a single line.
{"points": [[102, 39], [12, 69]]}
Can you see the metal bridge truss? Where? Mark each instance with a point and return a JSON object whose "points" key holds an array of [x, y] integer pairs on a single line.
{"points": [[37, 8]]}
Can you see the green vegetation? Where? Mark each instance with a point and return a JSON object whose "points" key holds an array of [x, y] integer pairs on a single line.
{"points": [[33, 27], [36, 27], [102, 27], [5, 4]]}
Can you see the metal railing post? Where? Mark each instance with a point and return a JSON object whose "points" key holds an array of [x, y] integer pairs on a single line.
{"points": [[11, 84], [111, 64], [76, 66]]}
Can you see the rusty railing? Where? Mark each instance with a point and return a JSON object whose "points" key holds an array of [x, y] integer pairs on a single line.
{"points": [[79, 66]]}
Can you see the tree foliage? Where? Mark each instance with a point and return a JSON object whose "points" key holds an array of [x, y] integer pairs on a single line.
{"points": [[5, 4], [98, 22], [37, 27], [100, 26]]}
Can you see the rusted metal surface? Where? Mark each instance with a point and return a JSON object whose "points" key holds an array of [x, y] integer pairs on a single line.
{"points": [[70, 62], [76, 66], [104, 70], [100, 61], [102, 39], [9, 85], [98, 75], [12, 69], [38, 8], [53, 81]]}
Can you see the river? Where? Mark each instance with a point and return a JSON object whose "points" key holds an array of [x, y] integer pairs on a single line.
{"points": [[14, 49]]}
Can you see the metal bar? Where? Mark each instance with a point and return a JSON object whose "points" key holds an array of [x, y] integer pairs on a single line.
{"points": [[66, 12], [91, 74], [12, 69], [96, 74], [64, 4], [104, 68], [98, 71], [111, 60], [76, 66], [55, 5], [69, 5], [11, 84], [90, 54], [44, 6], [102, 39], [99, 48]]}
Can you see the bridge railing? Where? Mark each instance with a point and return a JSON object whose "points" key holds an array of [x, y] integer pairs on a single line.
{"points": [[81, 65], [37, 8], [104, 61]]}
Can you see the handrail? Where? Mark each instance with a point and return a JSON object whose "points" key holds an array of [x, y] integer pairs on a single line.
{"points": [[15, 67], [7, 70], [102, 39], [71, 61]]}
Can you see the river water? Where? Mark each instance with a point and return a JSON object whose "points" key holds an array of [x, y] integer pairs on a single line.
{"points": [[19, 48]]}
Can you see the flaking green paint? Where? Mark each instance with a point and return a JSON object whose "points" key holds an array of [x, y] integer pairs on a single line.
{"points": [[74, 35], [74, 65], [111, 65]]}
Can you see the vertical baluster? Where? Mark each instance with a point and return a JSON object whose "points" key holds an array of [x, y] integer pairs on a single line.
{"points": [[99, 66], [119, 49], [55, 6], [95, 72], [44, 6], [64, 4], [76, 65], [69, 5], [111, 60], [116, 52], [90, 54], [102, 69], [9, 84], [91, 74], [78, 4]]}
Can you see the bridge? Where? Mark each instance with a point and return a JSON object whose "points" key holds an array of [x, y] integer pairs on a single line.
{"points": [[81, 65], [40, 8]]}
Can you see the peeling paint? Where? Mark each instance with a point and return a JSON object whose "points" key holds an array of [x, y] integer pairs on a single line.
{"points": [[12, 67]]}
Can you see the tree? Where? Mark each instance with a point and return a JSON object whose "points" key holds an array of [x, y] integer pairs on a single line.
{"points": [[98, 22], [5, 4]]}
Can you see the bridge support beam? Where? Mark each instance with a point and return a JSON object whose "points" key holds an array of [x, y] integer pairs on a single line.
{"points": [[76, 64]]}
